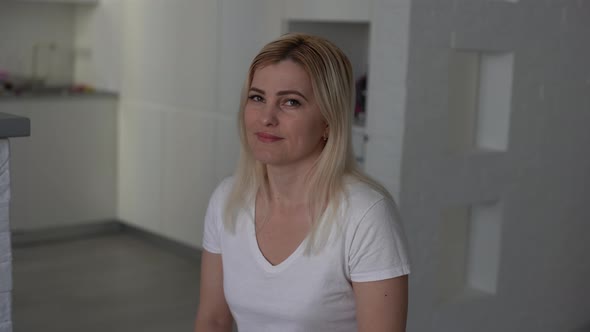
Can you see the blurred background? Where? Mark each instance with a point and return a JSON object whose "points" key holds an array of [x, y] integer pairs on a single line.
{"points": [[473, 113]]}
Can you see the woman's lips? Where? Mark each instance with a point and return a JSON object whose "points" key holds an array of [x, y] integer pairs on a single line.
{"points": [[267, 138]]}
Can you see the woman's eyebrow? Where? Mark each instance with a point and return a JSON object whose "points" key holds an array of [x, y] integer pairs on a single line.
{"points": [[291, 92], [280, 93], [257, 90]]}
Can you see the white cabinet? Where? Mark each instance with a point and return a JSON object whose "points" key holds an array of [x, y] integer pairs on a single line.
{"points": [[65, 172]]}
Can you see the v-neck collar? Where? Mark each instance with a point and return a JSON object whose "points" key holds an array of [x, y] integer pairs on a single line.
{"points": [[255, 248]]}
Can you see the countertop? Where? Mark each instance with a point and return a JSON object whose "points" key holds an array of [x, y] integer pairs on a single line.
{"points": [[57, 94], [14, 126]]}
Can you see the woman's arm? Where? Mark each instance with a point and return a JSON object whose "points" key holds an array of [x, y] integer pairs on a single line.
{"points": [[213, 314], [382, 305]]}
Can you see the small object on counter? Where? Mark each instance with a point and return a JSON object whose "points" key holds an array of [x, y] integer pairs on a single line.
{"points": [[5, 84], [81, 88]]}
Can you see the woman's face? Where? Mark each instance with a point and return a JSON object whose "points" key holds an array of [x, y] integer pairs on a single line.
{"points": [[282, 118]]}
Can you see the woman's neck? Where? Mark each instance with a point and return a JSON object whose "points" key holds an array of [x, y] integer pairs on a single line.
{"points": [[287, 186]]}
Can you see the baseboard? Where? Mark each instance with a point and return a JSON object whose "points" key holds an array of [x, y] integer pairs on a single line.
{"points": [[37, 237]]}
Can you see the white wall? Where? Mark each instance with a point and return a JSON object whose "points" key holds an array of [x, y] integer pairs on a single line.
{"points": [[386, 102], [168, 116], [22, 25], [328, 10], [183, 67], [97, 41], [540, 225]]}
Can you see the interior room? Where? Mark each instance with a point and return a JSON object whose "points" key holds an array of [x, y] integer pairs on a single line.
{"points": [[473, 115]]}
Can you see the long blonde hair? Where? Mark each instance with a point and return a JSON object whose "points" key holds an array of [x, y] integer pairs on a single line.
{"points": [[332, 81]]}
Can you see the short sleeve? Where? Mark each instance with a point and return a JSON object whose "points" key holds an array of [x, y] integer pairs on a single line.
{"points": [[378, 250], [214, 221]]}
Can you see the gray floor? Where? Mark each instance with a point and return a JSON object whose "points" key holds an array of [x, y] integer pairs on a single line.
{"points": [[112, 283]]}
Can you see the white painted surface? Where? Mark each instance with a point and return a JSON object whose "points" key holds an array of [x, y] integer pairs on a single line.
{"points": [[65, 172], [451, 245], [463, 99], [166, 158], [386, 100], [495, 101], [24, 25], [242, 28], [484, 247], [541, 179], [480, 100], [328, 10], [140, 165], [97, 45], [166, 179], [170, 53]]}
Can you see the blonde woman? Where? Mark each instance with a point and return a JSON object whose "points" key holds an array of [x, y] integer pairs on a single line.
{"points": [[299, 239]]}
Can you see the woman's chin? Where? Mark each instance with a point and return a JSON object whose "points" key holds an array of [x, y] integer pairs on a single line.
{"points": [[268, 159], [271, 162]]}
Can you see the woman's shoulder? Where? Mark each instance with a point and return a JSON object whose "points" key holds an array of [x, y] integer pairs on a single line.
{"points": [[227, 182], [363, 194], [369, 206], [223, 189], [362, 200]]}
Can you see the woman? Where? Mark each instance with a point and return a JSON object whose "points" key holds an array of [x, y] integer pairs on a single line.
{"points": [[299, 239]]}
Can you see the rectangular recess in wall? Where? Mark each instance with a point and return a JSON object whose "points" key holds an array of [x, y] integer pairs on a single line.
{"points": [[480, 94], [452, 249], [483, 247], [351, 37], [469, 250]]}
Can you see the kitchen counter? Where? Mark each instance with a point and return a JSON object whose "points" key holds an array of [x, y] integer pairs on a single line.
{"points": [[14, 126], [75, 140], [56, 94]]}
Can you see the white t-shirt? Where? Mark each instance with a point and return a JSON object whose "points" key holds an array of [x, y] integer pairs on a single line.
{"points": [[306, 292]]}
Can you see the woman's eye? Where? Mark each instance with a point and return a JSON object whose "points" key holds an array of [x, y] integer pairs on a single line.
{"points": [[256, 98], [292, 102]]}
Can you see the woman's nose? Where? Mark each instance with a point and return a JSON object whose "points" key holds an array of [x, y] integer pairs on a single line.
{"points": [[268, 115]]}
